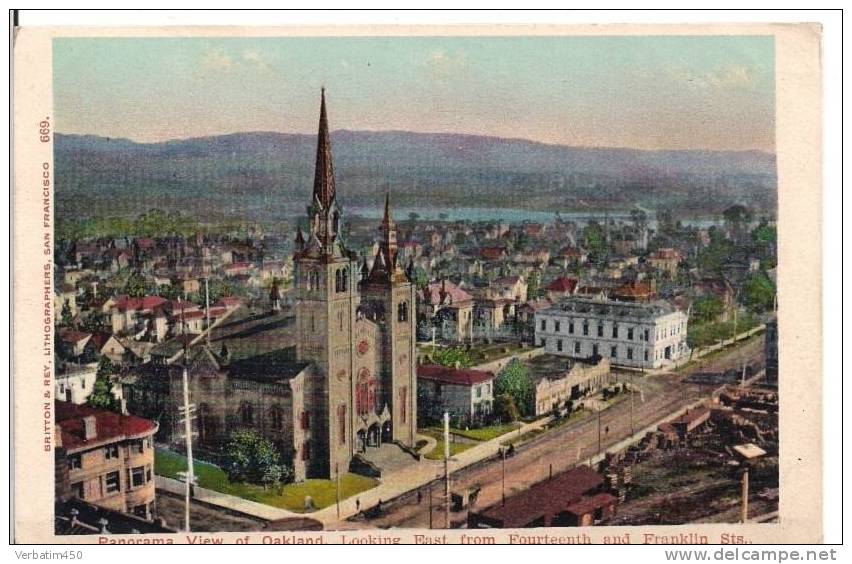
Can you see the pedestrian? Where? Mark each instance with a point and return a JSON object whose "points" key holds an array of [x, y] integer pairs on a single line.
{"points": [[419, 497], [358, 504], [606, 430]]}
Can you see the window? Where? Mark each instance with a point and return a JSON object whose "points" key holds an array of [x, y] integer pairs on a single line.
{"points": [[403, 403], [630, 333], [629, 353], [140, 511], [571, 327], [75, 462], [112, 482], [613, 352], [647, 335], [600, 329], [646, 354], [556, 326], [478, 392], [246, 413], [576, 347], [305, 420], [276, 416], [544, 325], [148, 473], [138, 446], [111, 452], [595, 349], [559, 345], [402, 312], [585, 328], [78, 490], [615, 331], [137, 476], [341, 423]]}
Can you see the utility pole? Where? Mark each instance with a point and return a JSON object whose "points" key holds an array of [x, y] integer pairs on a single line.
{"points": [[430, 507], [337, 477], [744, 516], [503, 451], [207, 307], [600, 414], [187, 411], [447, 468]]}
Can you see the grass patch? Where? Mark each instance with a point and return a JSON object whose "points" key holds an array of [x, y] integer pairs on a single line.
{"points": [[438, 452], [290, 497], [710, 333], [481, 434]]}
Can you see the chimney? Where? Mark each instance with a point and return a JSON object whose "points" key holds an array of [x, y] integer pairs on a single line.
{"points": [[90, 428]]}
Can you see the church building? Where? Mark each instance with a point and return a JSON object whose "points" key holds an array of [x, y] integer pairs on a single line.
{"points": [[348, 385]]}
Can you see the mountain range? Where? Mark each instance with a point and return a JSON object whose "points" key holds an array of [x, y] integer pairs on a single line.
{"points": [[268, 176]]}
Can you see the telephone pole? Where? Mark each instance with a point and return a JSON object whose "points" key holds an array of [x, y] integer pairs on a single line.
{"points": [[187, 412], [447, 469]]}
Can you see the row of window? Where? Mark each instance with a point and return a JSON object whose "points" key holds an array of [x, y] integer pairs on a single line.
{"points": [[112, 452], [632, 332], [110, 482], [613, 350], [276, 416]]}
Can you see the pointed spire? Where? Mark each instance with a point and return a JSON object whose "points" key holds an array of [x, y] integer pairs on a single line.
{"points": [[300, 239], [324, 173], [387, 221]]}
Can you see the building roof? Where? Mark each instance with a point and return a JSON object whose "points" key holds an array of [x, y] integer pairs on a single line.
{"points": [[127, 303], [617, 310], [547, 497], [563, 284], [73, 336], [449, 375], [591, 503], [433, 293], [109, 426]]}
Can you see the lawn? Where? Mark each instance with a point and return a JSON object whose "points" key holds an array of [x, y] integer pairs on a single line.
{"points": [[438, 452], [710, 333], [290, 497], [482, 434]]}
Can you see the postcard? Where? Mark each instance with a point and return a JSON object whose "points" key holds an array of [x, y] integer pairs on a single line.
{"points": [[417, 285]]}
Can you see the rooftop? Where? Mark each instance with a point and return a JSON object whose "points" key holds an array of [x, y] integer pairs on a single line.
{"points": [[448, 375], [109, 426], [611, 308]]}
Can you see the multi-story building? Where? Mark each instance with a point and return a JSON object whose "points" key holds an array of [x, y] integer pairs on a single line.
{"points": [[466, 394], [105, 458], [631, 334]]}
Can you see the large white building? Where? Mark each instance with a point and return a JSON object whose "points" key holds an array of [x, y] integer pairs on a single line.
{"points": [[637, 335]]}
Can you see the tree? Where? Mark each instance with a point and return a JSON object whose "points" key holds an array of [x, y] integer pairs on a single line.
{"points": [[137, 286], [514, 381], [102, 396], [453, 357], [738, 218], [249, 457], [759, 293], [505, 409], [707, 308], [534, 286], [594, 237], [66, 316]]}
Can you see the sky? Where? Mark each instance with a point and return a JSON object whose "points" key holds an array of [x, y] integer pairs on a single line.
{"points": [[663, 92]]}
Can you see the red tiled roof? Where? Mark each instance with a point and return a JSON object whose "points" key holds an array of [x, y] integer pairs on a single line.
{"points": [[109, 426], [72, 336], [126, 303], [447, 375], [433, 292], [492, 252], [229, 301], [563, 284]]}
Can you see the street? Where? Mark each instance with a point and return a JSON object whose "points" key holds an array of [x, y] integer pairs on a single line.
{"points": [[561, 448]]}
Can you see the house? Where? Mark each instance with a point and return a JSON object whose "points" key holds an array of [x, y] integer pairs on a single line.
{"points": [[72, 342], [511, 287], [105, 458], [74, 382], [466, 394], [126, 313], [493, 253], [589, 510], [448, 308], [635, 291], [665, 260], [562, 287]]}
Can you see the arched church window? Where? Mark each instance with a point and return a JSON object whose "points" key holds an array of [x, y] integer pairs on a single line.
{"points": [[344, 279], [338, 280], [402, 311]]}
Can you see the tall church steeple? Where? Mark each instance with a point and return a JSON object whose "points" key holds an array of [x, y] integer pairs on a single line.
{"points": [[324, 173], [385, 267], [323, 211]]}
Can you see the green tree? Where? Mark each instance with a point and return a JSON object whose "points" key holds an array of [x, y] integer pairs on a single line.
{"points": [[452, 356], [534, 286], [102, 396], [137, 286], [514, 380], [594, 238], [707, 308], [66, 317], [249, 457], [505, 409], [759, 293]]}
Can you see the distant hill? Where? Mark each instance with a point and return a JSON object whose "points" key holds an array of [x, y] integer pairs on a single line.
{"points": [[268, 176]]}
